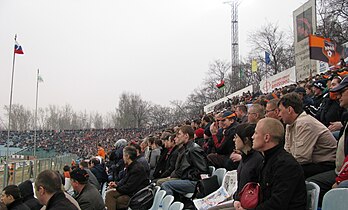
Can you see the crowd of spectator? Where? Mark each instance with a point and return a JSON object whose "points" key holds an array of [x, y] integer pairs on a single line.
{"points": [[280, 140]]}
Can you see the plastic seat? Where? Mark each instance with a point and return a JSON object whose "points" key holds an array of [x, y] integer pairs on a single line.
{"points": [[335, 199], [211, 170], [167, 201], [103, 190], [220, 173], [313, 191], [157, 199], [176, 206]]}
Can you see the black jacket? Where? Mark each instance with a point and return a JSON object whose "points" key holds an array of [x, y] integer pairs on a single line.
{"points": [[59, 202], [100, 173], [27, 193], [17, 205], [248, 170], [192, 162], [135, 179], [170, 161], [161, 164], [282, 182], [329, 111], [225, 145]]}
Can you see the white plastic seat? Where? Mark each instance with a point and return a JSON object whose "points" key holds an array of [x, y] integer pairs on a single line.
{"points": [[167, 201], [211, 170], [220, 173], [103, 190], [335, 199], [176, 206], [158, 199], [313, 191]]}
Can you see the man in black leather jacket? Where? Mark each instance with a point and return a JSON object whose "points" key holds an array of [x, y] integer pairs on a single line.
{"points": [[192, 163]]}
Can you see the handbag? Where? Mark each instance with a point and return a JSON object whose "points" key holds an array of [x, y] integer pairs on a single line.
{"points": [[206, 186], [250, 195], [143, 199]]}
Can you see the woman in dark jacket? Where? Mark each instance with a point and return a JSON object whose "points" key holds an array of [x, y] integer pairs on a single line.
{"points": [[250, 166]]}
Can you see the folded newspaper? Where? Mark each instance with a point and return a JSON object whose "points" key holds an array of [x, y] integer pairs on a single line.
{"points": [[224, 193]]}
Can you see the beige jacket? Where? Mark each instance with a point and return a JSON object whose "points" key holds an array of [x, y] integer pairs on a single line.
{"points": [[309, 141]]}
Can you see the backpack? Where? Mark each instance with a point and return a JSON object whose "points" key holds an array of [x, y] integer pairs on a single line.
{"points": [[143, 199]]}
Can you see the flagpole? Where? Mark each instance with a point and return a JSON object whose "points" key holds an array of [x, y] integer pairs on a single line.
{"points": [[9, 111], [35, 115]]}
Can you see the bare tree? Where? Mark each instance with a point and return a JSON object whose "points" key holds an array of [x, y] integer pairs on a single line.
{"points": [[21, 118], [132, 111], [98, 121], [333, 20], [270, 39]]}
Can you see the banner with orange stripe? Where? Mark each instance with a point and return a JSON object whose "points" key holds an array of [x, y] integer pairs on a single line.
{"points": [[323, 49]]}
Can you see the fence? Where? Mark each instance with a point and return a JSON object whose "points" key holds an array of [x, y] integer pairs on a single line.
{"points": [[18, 171]]}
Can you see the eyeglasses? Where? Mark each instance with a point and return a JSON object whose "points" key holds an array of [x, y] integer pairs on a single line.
{"points": [[272, 110]]}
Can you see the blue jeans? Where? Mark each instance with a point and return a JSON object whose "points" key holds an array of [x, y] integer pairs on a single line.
{"points": [[343, 184], [180, 186]]}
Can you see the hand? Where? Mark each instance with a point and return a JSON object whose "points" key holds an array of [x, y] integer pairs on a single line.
{"points": [[335, 126], [112, 185], [334, 185], [238, 206], [235, 157], [213, 128]]}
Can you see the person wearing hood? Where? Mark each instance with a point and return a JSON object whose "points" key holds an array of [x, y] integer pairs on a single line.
{"points": [[11, 197], [26, 189]]}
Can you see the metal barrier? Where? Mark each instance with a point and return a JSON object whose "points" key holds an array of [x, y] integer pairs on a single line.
{"points": [[16, 172]]}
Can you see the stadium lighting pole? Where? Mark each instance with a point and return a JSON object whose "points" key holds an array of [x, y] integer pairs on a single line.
{"points": [[35, 115]]}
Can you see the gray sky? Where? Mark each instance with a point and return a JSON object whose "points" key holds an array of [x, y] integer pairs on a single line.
{"points": [[89, 52]]}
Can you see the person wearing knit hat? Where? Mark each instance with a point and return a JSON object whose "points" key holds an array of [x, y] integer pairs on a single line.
{"points": [[199, 133], [87, 196], [318, 88], [224, 145]]}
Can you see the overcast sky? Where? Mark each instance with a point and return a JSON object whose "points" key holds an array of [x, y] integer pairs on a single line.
{"points": [[89, 52]]}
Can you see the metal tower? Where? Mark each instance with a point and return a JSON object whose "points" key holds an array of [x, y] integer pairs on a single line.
{"points": [[234, 42]]}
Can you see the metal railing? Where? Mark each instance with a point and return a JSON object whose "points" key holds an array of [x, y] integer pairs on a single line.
{"points": [[15, 172]]}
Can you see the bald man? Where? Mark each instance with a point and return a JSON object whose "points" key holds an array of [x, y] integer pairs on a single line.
{"points": [[282, 179]]}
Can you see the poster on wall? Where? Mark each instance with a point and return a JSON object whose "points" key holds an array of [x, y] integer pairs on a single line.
{"points": [[304, 24]]}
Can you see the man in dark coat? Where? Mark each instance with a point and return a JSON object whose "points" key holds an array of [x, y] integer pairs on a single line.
{"points": [[99, 172], [27, 193], [282, 178], [48, 188], [11, 197], [224, 146], [135, 179], [87, 196]]}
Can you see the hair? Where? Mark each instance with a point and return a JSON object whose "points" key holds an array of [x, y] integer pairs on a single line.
{"points": [[66, 168], [50, 181], [259, 109], [274, 102], [185, 129], [95, 161], [137, 147], [12, 190], [274, 128], [197, 121], [150, 140], [207, 118], [245, 131], [172, 137], [338, 78], [242, 108], [84, 164], [131, 151], [293, 100], [99, 145]]}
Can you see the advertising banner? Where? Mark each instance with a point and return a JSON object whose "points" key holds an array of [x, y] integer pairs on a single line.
{"points": [[279, 80]]}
